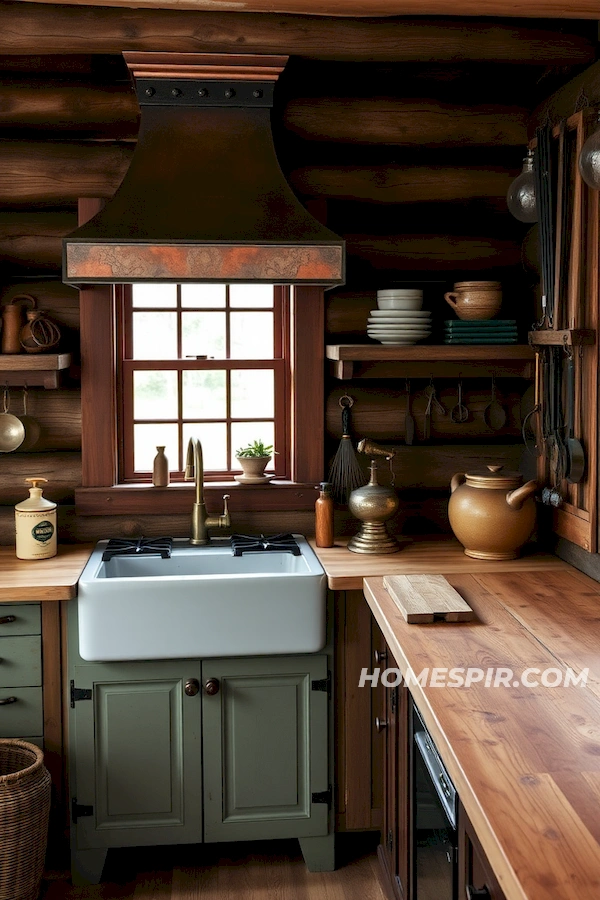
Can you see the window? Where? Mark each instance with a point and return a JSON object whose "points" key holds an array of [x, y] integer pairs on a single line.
{"points": [[205, 360]]}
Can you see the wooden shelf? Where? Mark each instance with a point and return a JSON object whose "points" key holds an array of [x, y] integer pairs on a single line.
{"points": [[424, 360], [34, 369]]}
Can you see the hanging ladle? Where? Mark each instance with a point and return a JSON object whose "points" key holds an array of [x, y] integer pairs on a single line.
{"points": [[12, 430], [459, 413], [31, 425], [494, 414]]}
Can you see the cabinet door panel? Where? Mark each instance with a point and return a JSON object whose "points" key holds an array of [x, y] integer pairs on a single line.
{"points": [[265, 748], [141, 735]]}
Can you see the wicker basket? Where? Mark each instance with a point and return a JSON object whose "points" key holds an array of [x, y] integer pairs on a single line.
{"points": [[24, 812]]}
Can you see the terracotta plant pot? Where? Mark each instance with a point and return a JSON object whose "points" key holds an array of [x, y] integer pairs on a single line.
{"points": [[253, 466]]}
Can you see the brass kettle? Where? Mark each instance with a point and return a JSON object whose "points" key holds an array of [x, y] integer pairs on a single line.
{"points": [[491, 512]]}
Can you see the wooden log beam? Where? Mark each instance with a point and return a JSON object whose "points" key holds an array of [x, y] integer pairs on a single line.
{"points": [[46, 173], [63, 471], [566, 9], [584, 90], [417, 252], [55, 29], [421, 123], [105, 110], [402, 184], [33, 241]]}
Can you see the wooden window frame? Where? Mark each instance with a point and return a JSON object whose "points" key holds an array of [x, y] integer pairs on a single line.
{"points": [[101, 494], [127, 365]]}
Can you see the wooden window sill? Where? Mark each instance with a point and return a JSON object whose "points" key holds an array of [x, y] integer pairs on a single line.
{"points": [[144, 499]]}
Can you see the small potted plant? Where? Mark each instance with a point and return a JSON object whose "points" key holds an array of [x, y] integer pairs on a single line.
{"points": [[254, 458]]}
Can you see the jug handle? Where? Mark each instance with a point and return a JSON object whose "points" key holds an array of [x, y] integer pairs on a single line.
{"points": [[451, 302], [456, 481], [517, 498]]}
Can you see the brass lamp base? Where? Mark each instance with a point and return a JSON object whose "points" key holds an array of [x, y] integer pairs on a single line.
{"points": [[373, 538]]}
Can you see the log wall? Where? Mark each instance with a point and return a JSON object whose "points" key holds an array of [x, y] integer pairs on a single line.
{"points": [[403, 135]]}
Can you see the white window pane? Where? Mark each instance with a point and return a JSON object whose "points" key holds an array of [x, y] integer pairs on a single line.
{"points": [[154, 294], [203, 334], [244, 433], [251, 335], [204, 395], [146, 438], [256, 295], [213, 437], [252, 393], [203, 295], [155, 395], [154, 335]]}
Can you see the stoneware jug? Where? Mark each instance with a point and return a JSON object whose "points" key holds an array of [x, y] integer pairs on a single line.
{"points": [[475, 299], [492, 513]]}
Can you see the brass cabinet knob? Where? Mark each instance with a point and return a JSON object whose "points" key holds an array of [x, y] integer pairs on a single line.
{"points": [[192, 686], [380, 724], [380, 655], [211, 686]]}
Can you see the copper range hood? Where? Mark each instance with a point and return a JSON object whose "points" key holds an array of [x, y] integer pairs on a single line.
{"points": [[204, 198]]}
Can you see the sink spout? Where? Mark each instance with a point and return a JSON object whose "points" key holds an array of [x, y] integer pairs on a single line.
{"points": [[201, 521]]}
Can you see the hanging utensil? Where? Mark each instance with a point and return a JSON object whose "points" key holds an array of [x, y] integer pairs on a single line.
{"points": [[345, 473], [432, 403], [575, 451], [531, 428], [31, 425], [409, 421], [12, 430], [459, 413], [545, 200], [494, 414]]}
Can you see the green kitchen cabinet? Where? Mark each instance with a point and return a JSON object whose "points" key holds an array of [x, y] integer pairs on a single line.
{"points": [[186, 751], [265, 747]]}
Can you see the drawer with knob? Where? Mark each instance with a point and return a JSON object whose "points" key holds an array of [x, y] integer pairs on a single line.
{"points": [[20, 712], [21, 661], [20, 618]]}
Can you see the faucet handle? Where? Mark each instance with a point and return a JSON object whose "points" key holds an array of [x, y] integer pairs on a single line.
{"points": [[225, 519]]}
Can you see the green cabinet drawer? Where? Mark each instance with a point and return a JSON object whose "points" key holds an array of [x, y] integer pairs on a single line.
{"points": [[23, 715], [20, 660], [20, 618]]}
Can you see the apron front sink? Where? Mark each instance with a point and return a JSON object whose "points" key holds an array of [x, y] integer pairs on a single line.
{"points": [[202, 602]]}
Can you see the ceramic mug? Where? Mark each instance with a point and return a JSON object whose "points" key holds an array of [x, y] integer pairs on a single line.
{"points": [[475, 299]]}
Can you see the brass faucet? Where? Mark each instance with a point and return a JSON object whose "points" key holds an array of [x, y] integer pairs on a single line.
{"points": [[201, 521]]}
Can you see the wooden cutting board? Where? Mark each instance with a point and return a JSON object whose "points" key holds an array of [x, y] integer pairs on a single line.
{"points": [[427, 598]]}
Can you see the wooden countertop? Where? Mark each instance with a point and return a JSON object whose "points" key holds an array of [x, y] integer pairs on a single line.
{"points": [[525, 760], [346, 570], [42, 579]]}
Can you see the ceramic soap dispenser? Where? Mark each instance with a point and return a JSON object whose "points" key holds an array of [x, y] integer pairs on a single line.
{"points": [[35, 524]]}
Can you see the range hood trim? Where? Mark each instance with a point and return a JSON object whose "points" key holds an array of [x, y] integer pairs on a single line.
{"points": [[204, 198]]}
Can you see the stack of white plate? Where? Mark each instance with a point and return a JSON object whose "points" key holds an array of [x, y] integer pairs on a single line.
{"points": [[399, 318]]}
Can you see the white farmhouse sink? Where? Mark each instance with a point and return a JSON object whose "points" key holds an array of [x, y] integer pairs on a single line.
{"points": [[201, 602]]}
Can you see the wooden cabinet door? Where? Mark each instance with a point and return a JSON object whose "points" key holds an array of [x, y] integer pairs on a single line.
{"points": [[137, 755], [265, 748], [358, 748], [476, 879]]}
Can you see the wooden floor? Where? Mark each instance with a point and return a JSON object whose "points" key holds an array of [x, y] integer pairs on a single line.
{"points": [[272, 870]]}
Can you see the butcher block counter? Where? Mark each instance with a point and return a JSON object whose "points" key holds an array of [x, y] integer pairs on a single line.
{"points": [[525, 760], [346, 570], [42, 579]]}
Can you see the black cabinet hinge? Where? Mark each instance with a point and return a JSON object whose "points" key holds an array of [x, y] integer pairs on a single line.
{"points": [[79, 694], [78, 811], [322, 796], [323, 684]]}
